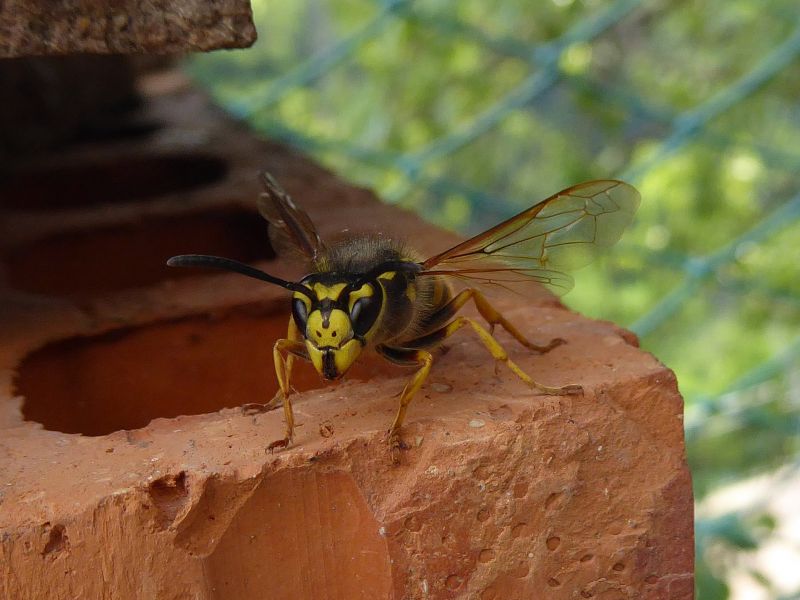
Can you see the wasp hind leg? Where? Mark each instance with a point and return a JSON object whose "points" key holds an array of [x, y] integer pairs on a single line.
{"points": [[283, 354], [495, 349], [493, 317]]}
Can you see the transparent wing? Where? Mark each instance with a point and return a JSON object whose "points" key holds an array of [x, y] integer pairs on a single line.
{"points": [[563, 232], [290, 228]]}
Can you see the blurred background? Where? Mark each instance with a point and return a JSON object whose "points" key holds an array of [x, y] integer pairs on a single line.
{"points": [[468, 112]]}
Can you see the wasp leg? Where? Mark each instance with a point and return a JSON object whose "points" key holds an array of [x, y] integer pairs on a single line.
{"points": [[285, 368], [493, 346], [492, 316], [283, 354], [406, 357]]}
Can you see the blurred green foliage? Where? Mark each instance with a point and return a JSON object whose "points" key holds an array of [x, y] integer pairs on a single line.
{"points": [[469, 111]]}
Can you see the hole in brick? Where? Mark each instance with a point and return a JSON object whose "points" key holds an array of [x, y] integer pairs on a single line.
{"points": [[168, 495], [125, 378], [520, 489], [453, 582], [519, 530], [552, 499], [122, 179], [57, 540], [486, 555], [521, 571], [134, 255]]}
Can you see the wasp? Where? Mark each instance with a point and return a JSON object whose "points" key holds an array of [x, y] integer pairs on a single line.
{"points": [[373, 291]]}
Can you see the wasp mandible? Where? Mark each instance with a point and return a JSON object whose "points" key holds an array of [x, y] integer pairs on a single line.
{"points": [[375, 291]]}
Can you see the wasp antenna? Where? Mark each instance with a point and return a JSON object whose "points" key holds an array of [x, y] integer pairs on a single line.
{"points": [[234, 266]]}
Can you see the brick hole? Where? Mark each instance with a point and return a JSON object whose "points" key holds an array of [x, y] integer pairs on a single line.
{"points": [[57, 540], [168, 495], [125, 378], [123, 179], [552, 500], [134, 255], [521, 571], [453, 582], [486, 555]]}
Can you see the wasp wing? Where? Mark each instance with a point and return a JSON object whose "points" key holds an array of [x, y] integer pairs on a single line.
{"points": [[563, 232], [290, 228]]}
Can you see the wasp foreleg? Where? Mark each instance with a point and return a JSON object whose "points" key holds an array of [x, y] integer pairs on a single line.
{"points": [[294, 334], [283, 354]]}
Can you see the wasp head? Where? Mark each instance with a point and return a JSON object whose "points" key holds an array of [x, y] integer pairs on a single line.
{"points": [[335, 320]]}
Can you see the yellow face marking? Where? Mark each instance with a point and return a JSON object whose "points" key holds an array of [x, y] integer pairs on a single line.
{"points": [[329, 291], [345, 356], [365, 291], [337, 332], [389, 275], [316, 356]]}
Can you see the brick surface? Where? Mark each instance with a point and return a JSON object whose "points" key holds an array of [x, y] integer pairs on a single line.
{"points": [[129, 467]]}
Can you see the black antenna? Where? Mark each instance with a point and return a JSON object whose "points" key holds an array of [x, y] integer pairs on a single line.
{"points": [[226, 264]]}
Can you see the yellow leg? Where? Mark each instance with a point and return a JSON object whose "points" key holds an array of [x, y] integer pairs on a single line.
{"points": [[283, 354], [493, 317], [501, 355], [405, 356], [294, 334], [492, 345], [283, 368]]}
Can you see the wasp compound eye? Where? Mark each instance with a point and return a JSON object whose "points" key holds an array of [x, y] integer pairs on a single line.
{"points": [[365, 307], [357, 307], [364, 313], [300, 312]]}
